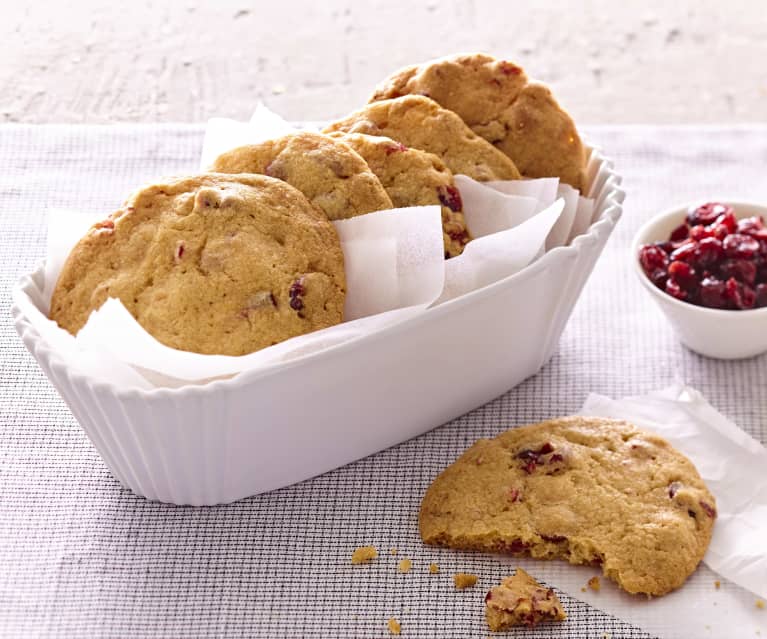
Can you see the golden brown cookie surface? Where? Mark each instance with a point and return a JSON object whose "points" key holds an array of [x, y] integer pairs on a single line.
{"points": [[497, 102], [413, 177], [331, 175], [521, 601], [417, 121], [588, 490], [211, 263]]}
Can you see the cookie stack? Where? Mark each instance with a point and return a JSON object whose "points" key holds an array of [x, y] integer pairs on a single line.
{"points": [[243, 257]]}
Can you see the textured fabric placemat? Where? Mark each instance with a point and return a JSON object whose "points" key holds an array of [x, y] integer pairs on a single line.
{"points": [[80, 556]]}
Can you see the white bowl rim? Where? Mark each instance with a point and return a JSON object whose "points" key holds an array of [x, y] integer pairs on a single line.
{"points": [[611, 213], [640, 239]]}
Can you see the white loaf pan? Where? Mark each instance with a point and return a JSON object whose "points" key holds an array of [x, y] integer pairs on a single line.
{"points": [[262, 430]]}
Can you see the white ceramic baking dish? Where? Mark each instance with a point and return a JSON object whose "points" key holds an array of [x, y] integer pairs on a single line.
{"points": [[261, 430]]}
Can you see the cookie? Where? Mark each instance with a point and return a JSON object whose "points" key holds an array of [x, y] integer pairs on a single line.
{"points": [[213, 263], [421, 123], [331, 175], [584, 489], [495, 99], [413, 177], [521, 601]]}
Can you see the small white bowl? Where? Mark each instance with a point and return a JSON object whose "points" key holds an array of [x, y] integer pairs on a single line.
{"points": [[722, 334]]}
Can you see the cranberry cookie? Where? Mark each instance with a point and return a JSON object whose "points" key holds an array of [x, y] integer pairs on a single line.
{"points": [[331, 175], [521, 601], [497, 102], [414, 178], [213, 263], [421, 123], [584, 489]]}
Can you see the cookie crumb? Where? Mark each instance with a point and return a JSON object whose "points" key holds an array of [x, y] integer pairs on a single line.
{"points": [[717, 584], [364, 554], [760, 604], [433, 569], [583, 588], [594, 584], [464, 580], [521, 601], [394, 626], [405, 565], [393, 551]]}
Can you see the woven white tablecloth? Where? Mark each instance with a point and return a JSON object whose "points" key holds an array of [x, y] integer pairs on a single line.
{"points": [[81, 557]]}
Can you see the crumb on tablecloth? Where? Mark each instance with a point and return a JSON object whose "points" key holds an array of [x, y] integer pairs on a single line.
{"points": [[393, 551], [760, 604], [594, 584], [394, 626], [433, 569], [464, 580], [364, 554], [405, 565], [521, 601], [717, 584]]}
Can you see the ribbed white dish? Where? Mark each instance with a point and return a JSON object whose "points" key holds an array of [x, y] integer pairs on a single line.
{"points": [[262, 430]]}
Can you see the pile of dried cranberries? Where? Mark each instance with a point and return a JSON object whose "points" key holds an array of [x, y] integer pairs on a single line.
{"points": [[712, 259]]}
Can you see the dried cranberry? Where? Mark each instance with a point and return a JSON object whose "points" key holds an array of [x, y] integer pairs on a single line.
{"points": [[529, 467], [728, 221], [554, 539], [719, 231], [685, 252], [673, 487], [710, 510], [515, 546], [733, 292], [699, 232], [667, 247], [742, 270], [748, 298], [712, 293], [295, 293], [488, 596], [450, 197], [651, 258], [659, 277], [707, 213], [673, 289], [683, 273], [760, 296], [507, 68], [396, 147], [749, 225], [739, 245], [708, 252], [546, 449], [681, 232]]}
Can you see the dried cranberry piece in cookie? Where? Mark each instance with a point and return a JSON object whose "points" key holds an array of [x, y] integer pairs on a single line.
{"points": [[296, 293], [450, 197]]}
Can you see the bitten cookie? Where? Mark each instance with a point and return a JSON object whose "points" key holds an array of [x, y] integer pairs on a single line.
{"points": [[212, 263], [331, 175], [497, 102], [414, 178], [421, 123], [521, 601], [584, 489]]}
